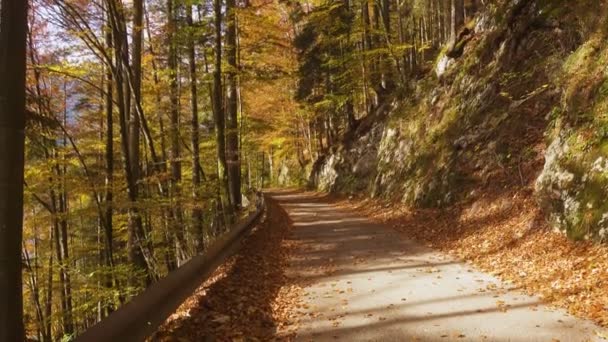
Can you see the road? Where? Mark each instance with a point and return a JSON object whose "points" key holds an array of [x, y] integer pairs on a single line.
{"points": [[364, 281]]}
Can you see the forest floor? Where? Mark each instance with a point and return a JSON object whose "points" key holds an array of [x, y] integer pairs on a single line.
{"points": [[318, 268], [249, 297]]}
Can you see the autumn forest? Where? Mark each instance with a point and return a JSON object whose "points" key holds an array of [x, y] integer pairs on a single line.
{"points": [[134, 134]]}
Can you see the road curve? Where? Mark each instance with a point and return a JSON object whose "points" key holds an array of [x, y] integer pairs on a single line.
{"points": [[363, 281]]}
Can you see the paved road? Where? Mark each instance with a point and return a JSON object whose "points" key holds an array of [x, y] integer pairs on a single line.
{"points": [[365, 282]]}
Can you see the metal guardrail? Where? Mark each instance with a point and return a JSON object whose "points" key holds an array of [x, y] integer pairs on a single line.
{"points": [[141, 317]]}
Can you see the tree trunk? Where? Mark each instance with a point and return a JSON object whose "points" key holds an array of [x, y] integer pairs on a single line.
{"points": [[456, 22], [48, 305], [33, 286], [232, 131], [217, 92], [61, 171], [386, 16], [68, 320], [271, 166], [134, 122], [56, 210], [197, 212], [13, 33], [366, 46], [218, 110], [108, 226], [175, 151], [367, 40], [414, 50], [136, 232]]}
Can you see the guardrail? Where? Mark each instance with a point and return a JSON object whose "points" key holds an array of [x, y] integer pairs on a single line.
{"points": [[141, 317]]}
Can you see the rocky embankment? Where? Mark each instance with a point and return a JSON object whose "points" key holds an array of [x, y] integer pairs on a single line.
{"points": [[524, 106]]}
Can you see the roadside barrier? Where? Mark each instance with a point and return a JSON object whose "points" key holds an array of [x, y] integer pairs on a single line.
{"points": [[141, 317]]}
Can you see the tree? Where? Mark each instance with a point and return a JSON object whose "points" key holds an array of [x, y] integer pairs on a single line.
{"points": [[134, 123], [197, 170], [175, 150], [218, 110], [13, 33], [456, 22], [232, 130], [124, 79], [108, 216]]}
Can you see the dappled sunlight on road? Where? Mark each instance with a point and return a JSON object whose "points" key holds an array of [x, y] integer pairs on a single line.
{"points": [[363, 281]]}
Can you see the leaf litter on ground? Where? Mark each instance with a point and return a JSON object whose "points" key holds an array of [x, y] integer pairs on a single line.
{"points": [[249, 298], [504, 234]]}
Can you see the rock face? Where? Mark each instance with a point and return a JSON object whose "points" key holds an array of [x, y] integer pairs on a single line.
{"points": [[573, 186], [533, 76], [284, 178], [349, 168], [291, 173], [573, 189]]}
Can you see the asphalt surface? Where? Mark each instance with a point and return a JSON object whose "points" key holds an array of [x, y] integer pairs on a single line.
{"points": [[364, 281]]}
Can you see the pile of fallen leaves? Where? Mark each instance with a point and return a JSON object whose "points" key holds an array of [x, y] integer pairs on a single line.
{"points": [[504, 233], [249, 298]]}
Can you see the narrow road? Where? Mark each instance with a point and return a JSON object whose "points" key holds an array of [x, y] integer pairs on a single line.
{"points": [[365, 282]]}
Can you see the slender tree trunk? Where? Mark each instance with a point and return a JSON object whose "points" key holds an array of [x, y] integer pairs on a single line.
{"points": [[271, 165], [175, 150], [109, 174], [197, 212], [217, 91], [402, 40], [13, 33], [232, 130], [456, 22], [134, 122], [68, 320], [386, 16], [157, 98], [48, 305], [41, 105], [34, 288], [136, 116], [218, 109], [167, 219], [414, 51], [366, 43], [367, 39], [346, 49], [309, 136], [249, 184], [136, 232], [61, 171], [56, 210], [440, 22]]}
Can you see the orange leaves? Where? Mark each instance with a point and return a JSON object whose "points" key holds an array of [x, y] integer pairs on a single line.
{"points": [[504, 234], [251, 299]]}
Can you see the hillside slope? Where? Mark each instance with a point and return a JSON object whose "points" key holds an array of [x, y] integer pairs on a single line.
{"points": [[522, 109]]}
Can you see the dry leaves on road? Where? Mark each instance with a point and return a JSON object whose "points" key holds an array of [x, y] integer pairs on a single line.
{"points": [[504, 233]]}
